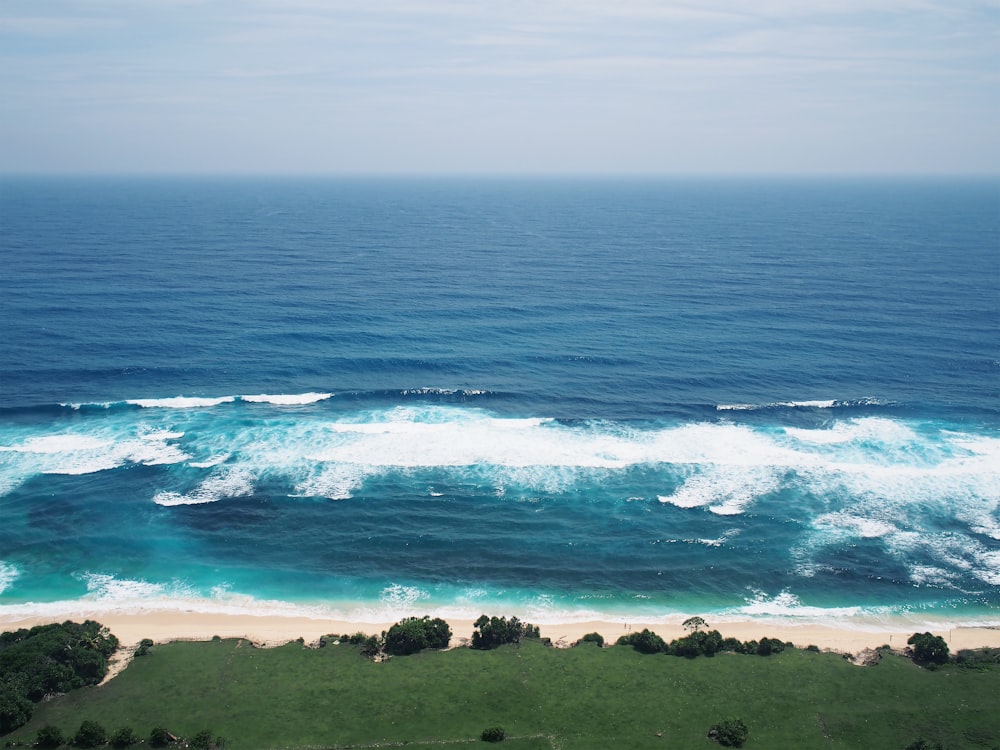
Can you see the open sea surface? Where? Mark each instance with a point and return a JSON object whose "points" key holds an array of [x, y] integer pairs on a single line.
{"points": [[561, 399]]}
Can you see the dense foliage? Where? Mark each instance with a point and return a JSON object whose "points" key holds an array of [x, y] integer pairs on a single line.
{"points": [[413, 634], [493, 734], [928, 648], [729, 733], [49, 659], [90, 734], [124, 737], [699, 643], [592, 638], [49, 736], [492, 632]]}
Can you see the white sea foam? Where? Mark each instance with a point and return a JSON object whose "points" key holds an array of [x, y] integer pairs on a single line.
{"points": [[397, 595], [180, 402], [787, 606], [725, 490], [336, 482], [819, 404], [846, 524], [864, 430], [75, 454], [101, 586], [223, 483], [8, 574], [292, 399], [209, 463]]}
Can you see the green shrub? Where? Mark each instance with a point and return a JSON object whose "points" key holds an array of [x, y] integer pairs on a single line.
{"points": [[49, 659], [928, 648], [592, 638], [646, 642], [204, 741], [160, 737], [493, 734], [492, 632], [49, 736], [729, 733], [144, 645], [124, 737], [15, 708], [412, 634], [90, 734]]}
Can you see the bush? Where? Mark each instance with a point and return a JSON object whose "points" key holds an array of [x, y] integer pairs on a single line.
{"points": [[493, 734], [203, 740], [768, 646], [144, 645], [124, 737], [492, 632], [698, 643], [412, 634], [646, 642], [49, 736], [592, 638], [49, 659], [90, 734], [15, 708], [928, 648], [729, 733], [160, 737]]}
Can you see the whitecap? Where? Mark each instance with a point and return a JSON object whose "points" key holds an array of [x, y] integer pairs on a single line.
{"points": [[180, 402], [291, 399], [234, 481], [786, 605], [725, 490], [76, 454], [397, 595], [8, 574], [209, 463], [63, 443], [844, 523]]}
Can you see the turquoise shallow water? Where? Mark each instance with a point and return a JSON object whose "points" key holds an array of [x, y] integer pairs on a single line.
{"points": [[559, 399]]}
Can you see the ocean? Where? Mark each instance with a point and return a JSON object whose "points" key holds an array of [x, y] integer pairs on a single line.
{"points": [[564, 399]]}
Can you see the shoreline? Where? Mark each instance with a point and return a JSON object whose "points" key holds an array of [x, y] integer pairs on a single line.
{"points": [[269, 629]]}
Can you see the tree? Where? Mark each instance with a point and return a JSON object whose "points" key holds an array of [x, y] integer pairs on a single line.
{"points": [[928, 648], [124, 737], [203, 740], [49, 736], [160, 737], [412, 634], [592, 638], [492, 632], [729, 733], [90, 734], [646, 642], [694, 624], [15, 708], [493, 734]]}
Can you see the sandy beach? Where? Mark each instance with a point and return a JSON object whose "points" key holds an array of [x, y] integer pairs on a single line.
{"points": [[274, 630]]}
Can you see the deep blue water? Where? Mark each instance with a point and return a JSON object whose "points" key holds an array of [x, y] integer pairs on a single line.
{"points": [[551, 398]]}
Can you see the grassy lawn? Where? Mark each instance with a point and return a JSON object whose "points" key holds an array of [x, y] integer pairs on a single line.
{"points": [[293, 697]]}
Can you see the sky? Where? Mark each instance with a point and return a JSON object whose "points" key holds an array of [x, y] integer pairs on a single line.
{"points": [[670, 87]]}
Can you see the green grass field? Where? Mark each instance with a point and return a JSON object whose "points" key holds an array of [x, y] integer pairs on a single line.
{"points": [[585, 697]]}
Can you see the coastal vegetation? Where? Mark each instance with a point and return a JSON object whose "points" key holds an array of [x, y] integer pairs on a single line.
{"points": [[48, 660], [527, 695]]}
